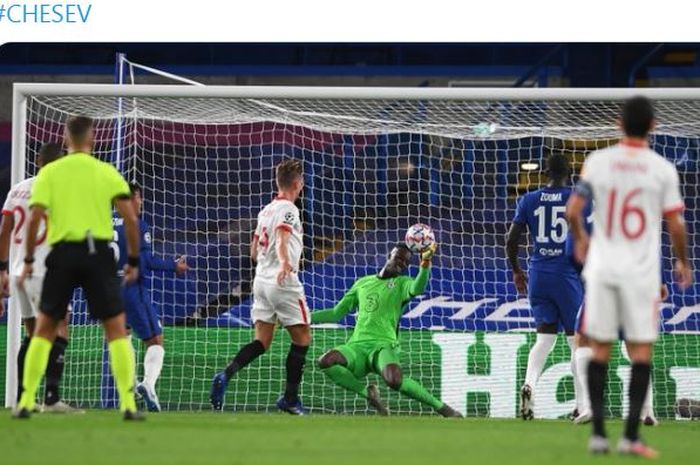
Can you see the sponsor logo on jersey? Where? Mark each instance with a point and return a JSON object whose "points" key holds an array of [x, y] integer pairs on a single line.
{"points": [[550, 252]]}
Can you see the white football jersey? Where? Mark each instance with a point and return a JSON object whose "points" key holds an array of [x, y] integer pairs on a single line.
{"points": [[279, 214], [633, 188], [17, 205]]}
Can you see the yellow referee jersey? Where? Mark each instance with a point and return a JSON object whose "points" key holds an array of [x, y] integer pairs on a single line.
{"points": [[78, 190]]}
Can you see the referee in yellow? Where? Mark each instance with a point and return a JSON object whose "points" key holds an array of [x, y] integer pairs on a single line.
{"points": [[77, 192]]}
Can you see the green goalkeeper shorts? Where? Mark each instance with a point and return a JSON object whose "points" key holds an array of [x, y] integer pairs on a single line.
{"points": [[369, 357]]}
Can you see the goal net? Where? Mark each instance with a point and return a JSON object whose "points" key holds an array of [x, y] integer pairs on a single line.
{"points": [[375, 162]]}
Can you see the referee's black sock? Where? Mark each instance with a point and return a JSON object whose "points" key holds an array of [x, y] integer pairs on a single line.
{"points": [[54, 370], [245, 355], [637, 392], [20, 364], [296, 358], [597, 374]]}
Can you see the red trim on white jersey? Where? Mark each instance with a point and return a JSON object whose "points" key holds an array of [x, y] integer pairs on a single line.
{"points": [[674, 209], [286, 227], [7, 212], [302, 308]]}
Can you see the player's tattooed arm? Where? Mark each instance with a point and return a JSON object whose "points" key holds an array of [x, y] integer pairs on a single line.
{"points": [[6, 226], [283, 255], [677, 231], [515, 234], [35, 216], [254, 248]]}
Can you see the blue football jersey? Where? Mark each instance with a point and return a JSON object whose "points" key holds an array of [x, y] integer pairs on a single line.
{"points": [[544, 213], [148, 261]]}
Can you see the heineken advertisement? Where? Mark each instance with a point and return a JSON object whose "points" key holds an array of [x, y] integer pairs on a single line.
{"points": [[478, 373]]}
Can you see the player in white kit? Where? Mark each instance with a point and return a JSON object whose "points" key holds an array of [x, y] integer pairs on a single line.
{"points": [[278, 295], [13, 231], [634, 189]]}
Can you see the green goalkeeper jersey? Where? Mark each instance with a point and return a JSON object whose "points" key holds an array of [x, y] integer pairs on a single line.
{"points": [[380, 303]]}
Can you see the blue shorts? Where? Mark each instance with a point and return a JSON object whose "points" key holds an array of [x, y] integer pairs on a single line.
{"points": [[555, 298], [141, 317]]}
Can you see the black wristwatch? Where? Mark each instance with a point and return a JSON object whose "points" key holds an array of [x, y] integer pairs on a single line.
{"points": [[133, 262], [28, 260], [4, 264]]}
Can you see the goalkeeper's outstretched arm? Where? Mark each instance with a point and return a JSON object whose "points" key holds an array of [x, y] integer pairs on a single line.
{"points": [[335, 314], [421, 281]]}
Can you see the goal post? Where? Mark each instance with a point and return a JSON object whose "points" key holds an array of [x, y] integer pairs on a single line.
{"points": [[376, 160]]}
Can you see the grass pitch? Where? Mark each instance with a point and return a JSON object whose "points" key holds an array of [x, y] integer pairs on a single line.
{"points": [[101, 437]]}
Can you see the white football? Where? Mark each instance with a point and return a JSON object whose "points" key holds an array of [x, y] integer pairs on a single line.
{"points": [[419, 237]]}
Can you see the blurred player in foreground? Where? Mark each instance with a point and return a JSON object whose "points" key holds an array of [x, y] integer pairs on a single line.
{"points": [[141, 315], [554, 288], [634, 189], [374, 344], [14, 215], [278, 295], [583, 352]]}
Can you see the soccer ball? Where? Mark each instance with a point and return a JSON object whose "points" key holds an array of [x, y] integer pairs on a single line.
{"points": [[419, 237]]}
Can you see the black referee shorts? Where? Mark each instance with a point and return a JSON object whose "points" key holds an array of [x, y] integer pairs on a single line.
{"points": [[70, 265]]}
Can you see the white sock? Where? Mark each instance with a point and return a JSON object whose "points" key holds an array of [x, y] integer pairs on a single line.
{"points": [[152, 365], [577, 384], [582, 357], [538, 355], [648, 406], [133, 357]]}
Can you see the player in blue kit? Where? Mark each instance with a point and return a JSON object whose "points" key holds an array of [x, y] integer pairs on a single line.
{"points": [[554, 287], [141, 316]]}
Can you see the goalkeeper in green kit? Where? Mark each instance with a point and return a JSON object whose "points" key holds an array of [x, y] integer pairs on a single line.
{"points": [[374, 345]]}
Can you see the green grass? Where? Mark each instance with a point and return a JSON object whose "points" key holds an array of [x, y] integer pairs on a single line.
{"points": [[100, 437]]}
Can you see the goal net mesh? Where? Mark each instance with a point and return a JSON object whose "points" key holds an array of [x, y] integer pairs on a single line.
{"points": [[372, 168]]}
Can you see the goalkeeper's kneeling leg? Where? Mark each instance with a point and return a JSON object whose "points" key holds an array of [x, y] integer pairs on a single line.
{"points": [[334, 365]]}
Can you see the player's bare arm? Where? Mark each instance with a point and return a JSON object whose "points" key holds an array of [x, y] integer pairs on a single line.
{"points": [[254, 249], [283, 254], [515, 233], [36, 215], [677, 231], [131, 227], [574, 214], [6, 226]]}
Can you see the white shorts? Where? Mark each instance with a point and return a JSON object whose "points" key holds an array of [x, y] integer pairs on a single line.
{"points": [[629, 311], [273, 303], [29, 295]]}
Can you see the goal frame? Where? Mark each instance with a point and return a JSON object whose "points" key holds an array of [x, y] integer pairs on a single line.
{"points": [[22, 91]]}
